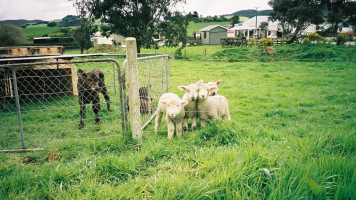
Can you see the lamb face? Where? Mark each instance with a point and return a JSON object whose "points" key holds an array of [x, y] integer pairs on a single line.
{"points": [[214, 92], [174, 107], [204, 90], [191, 91]]}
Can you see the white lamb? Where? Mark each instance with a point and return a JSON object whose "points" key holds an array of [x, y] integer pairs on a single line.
{"points": [[214, 91], [173, 107], [191, 96], [211, 107]]}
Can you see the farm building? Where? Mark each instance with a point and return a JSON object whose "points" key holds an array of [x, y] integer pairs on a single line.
{"points": [[212, 34]]}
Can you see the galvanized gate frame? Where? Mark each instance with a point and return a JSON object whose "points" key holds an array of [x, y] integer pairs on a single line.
{"points": [[18, 108], [146, 57]]}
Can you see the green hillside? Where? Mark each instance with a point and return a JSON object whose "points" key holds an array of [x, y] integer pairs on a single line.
{"points": [[251, 13], [39, 30]]}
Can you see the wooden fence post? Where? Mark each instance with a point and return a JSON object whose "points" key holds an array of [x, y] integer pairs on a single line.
{"points": [[133, 87]]}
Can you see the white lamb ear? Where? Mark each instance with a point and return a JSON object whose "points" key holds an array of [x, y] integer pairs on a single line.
{"points": [[183, 88], [184, 103], [164, 102], [218, 82]]}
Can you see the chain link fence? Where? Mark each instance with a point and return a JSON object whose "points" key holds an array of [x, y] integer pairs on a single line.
{"points": [[154, 80], [40, 101]]}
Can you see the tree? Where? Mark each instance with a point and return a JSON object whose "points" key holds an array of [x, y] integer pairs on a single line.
{"points": [[131, 18], [52, 24], [11, 35], [339, 11], [195, 16], [295, 16], [264, 28], [175, 30], [86, 27], [235, 20], [69, 20]]}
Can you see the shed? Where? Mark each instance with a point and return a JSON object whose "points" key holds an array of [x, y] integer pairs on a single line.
{"points": [[212, 34]]}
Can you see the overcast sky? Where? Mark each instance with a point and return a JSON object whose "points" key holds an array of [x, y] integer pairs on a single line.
{"points": [[57, 9]]}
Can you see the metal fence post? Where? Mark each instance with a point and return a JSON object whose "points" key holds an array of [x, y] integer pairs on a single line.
{"points": [[19, 116], [162, 75], [148, 86], [168, 74], [133, 86], [113, 69]]}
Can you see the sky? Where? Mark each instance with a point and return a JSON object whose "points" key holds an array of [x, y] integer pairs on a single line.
{"points": [[57, 9]]}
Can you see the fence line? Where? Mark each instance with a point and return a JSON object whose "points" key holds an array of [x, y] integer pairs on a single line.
{"points": [[154, 80], [42, 99]]}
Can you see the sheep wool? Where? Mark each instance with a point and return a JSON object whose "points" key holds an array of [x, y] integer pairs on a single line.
{"points": [[171, 105], [191, 96], [211, 107]]}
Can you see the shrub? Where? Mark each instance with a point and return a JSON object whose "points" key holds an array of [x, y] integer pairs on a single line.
{"points": [[11, 35], [306, 40], [52, 24], [315, 37], [265, 42], [179, 54], [343, 37], [251, 42]]}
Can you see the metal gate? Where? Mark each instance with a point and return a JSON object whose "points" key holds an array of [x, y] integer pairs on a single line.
{"points": [[39, 102], [154, 80]]}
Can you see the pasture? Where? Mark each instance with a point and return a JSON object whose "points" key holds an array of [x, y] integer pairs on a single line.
{"points": [[39, 30], [292, 136]]}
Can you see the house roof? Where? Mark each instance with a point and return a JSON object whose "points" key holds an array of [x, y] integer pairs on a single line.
{"points": [[211, 27], [251, 24]]}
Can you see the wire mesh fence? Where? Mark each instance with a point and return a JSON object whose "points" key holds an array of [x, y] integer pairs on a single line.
{"points": [[41, 100], [154, 80]]}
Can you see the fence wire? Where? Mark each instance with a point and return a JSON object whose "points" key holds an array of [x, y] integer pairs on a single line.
{"points": [[48, 103], [154, 80]]}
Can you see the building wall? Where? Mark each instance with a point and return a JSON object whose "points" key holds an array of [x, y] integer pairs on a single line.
{"points": [[214, 36], [203, 39]]}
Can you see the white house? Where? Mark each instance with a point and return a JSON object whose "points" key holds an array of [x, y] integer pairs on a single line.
{"points": [[99, 39], [248, 28]]}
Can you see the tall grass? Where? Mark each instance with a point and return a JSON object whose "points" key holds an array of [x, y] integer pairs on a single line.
{"points": [[292, 136]]}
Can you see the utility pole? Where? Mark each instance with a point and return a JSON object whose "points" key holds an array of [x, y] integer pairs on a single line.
{"points": [[256, 19]]}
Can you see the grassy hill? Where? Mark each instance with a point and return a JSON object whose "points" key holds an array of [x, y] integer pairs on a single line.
{"points": [[251, 13], [20, 22], [39, 30]]}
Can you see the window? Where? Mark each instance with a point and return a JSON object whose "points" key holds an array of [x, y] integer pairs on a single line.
{"points": [[204, 35]]}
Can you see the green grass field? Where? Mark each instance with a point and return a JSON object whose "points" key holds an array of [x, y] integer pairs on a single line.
{"points": [[39, 30], [292, 136]]}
